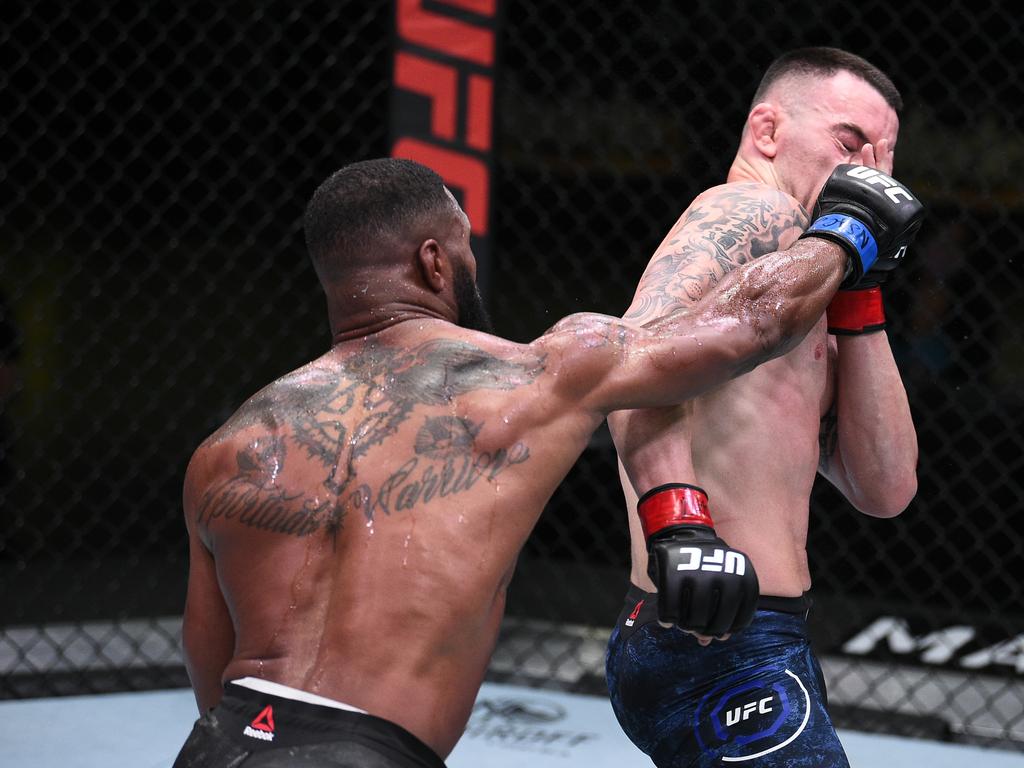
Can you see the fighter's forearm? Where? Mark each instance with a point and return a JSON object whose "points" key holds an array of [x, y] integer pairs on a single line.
{"points": [[777, 299], [873, 458]]}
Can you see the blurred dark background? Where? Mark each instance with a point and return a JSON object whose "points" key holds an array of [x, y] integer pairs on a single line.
{"points": [[156, 159]]}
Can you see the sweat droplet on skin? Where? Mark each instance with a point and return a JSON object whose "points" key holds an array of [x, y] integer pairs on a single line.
{"points": [[405, 546]]}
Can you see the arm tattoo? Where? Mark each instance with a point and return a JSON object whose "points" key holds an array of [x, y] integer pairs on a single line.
{"points": [[732, 227], [828, 439], [337, 417]]}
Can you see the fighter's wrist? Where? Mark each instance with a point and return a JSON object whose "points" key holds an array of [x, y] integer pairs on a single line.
{"points": [[856, 311], [673, 505], [853, 236]]}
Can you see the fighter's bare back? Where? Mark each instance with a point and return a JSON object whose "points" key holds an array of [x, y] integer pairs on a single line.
{"points": [[370, 502]]}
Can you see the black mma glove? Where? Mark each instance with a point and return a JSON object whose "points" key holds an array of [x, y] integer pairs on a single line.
{"points": [[872, 216], [704, 585]]}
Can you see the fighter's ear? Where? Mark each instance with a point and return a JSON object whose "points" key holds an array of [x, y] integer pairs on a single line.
{"points": [[762, 123], [432, 262]]}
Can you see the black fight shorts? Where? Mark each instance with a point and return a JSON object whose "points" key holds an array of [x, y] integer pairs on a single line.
{"points": [[250, 729]]}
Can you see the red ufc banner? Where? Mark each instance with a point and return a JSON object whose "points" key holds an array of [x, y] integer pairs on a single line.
{"points": [[442, 101]]}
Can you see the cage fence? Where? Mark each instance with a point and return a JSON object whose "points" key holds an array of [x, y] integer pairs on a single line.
{"points": [[157, 158]]}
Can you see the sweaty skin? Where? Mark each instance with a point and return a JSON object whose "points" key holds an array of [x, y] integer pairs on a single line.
{"points": [[756, 443], [354, 526]]}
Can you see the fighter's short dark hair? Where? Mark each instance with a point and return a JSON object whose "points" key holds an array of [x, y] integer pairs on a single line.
{"points": [[825, 62], [365, 205]]}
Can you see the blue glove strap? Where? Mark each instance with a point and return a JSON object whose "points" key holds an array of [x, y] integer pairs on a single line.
{"points": [[852, 231]]}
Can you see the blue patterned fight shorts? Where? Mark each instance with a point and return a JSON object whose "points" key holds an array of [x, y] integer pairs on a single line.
{"points": [[755, 700]]}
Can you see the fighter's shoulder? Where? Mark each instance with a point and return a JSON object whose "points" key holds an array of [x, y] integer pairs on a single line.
{"points": [[263, 417], [444, 362], [749, 196], [262, 412], [585, 343], [208, 462], [583, 328]]}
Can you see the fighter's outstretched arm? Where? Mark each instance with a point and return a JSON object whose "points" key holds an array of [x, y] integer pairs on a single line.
{"points": [[757, 312], [865, 220]]}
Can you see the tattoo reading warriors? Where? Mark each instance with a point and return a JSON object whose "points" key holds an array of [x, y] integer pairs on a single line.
{"points": [[337, 417], [447, 440], [453, 468]]}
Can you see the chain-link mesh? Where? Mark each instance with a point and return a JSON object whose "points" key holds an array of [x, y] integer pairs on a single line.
{"points": [[156, 159]]}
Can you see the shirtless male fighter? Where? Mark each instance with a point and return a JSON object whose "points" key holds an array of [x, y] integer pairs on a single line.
{"points": [[354, 525], [731, 471]]}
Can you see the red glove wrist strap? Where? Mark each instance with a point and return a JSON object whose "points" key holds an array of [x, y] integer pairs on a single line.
{"points": [[856, 311], [673, 504]]}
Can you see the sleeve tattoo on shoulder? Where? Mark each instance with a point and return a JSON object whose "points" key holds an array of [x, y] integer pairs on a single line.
{"points": [[336, 419], [723, 232]]}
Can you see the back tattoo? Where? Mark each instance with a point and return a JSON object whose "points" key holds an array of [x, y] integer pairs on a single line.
{"points": [[316, 410]]}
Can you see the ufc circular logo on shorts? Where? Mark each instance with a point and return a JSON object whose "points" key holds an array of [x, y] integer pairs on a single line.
{"points": [[749, 716]]}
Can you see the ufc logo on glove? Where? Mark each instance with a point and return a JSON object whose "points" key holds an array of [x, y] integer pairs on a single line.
{"points": [[870, 176], [718, 561]]}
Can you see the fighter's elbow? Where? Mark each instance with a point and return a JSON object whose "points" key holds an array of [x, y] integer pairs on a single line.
{"points": [[891, 497], [764, 336], [773, 338], [903, 494], [780, 324]]}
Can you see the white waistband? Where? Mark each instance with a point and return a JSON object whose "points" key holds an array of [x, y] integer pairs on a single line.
{"points": [[295, 694]]}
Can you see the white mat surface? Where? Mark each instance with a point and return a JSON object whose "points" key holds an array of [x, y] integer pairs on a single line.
{"points": [[511, 727]]}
